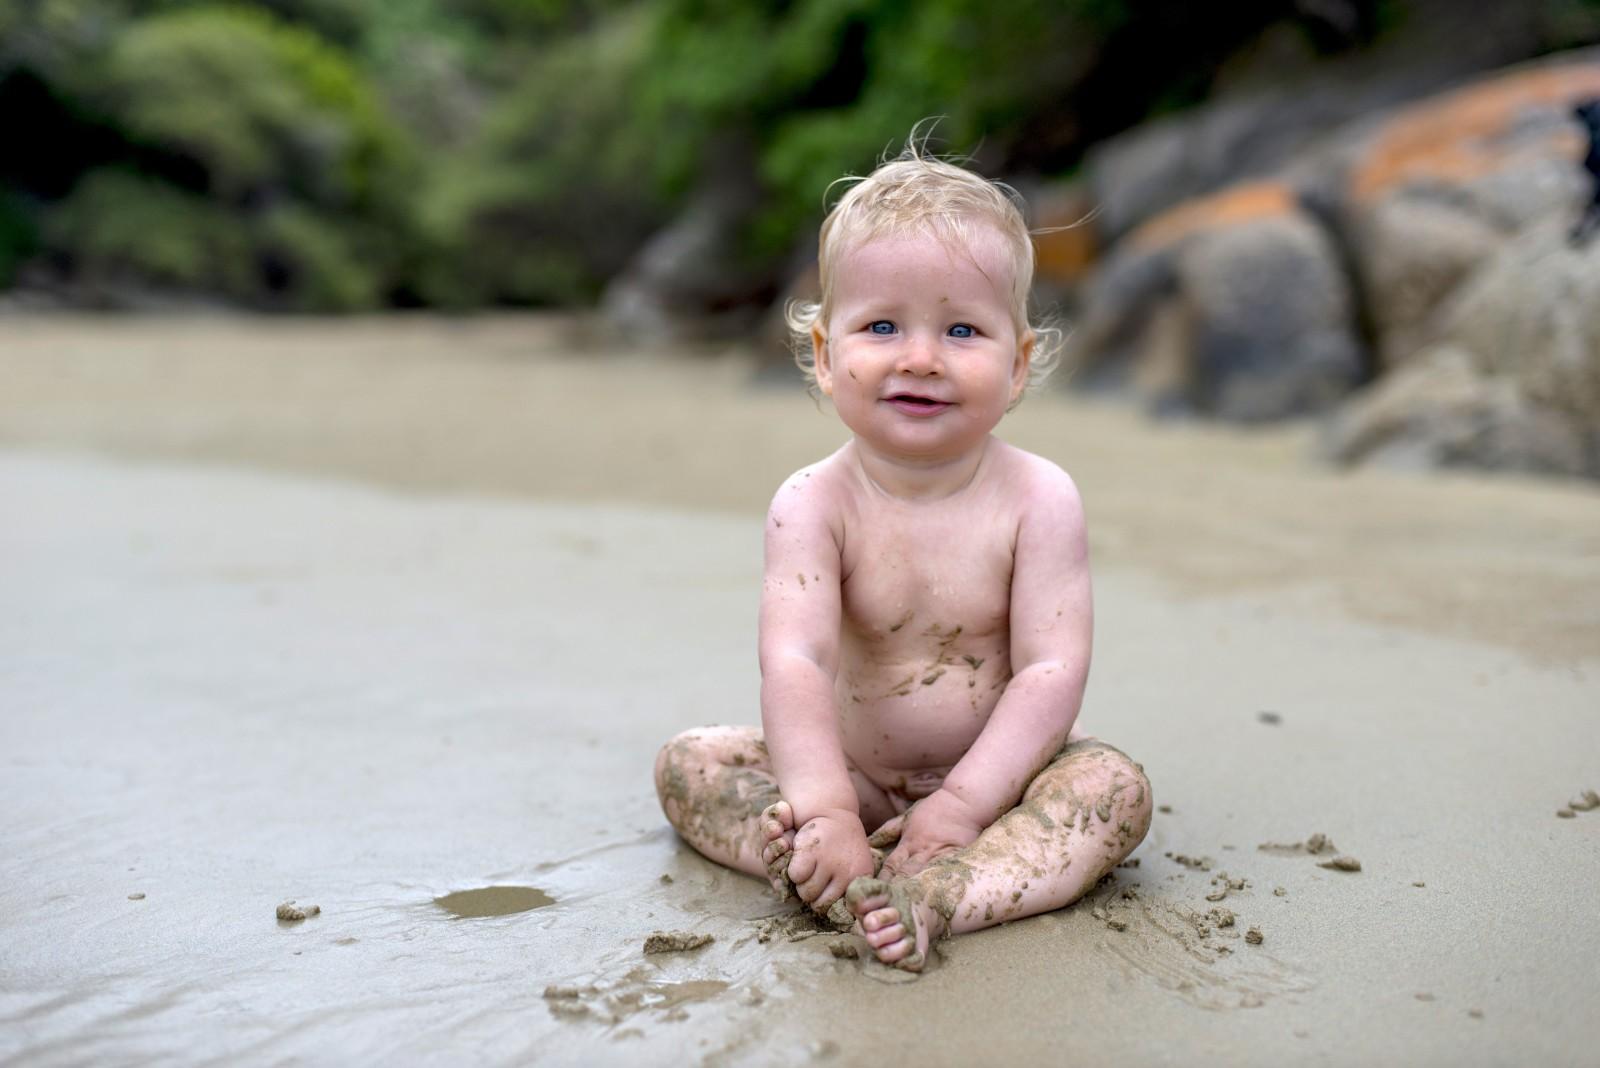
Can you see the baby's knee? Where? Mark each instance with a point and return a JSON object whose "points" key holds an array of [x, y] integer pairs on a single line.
{"points": [[1117, 783], [696, 752], [1131, 790], [675, 764]]}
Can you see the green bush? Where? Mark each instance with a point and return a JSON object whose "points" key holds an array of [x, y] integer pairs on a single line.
{"points": [[261, 106], [559, 188], [18, 237], [122, 226]]}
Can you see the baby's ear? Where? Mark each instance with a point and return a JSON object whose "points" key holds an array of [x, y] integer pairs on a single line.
{"points": [[820, 362], [1022, 364]]}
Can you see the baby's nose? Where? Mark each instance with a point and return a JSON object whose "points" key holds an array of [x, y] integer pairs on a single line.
{"points": [[920, 356]]}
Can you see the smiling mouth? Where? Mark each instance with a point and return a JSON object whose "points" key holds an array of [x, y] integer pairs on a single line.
{"points": [[913, 399]]}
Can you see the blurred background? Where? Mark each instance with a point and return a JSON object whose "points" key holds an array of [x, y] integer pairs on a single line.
{"points": [[1354, 208]]}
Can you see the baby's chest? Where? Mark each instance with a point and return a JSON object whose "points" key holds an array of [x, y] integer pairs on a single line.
{"points": [[906, 582]]}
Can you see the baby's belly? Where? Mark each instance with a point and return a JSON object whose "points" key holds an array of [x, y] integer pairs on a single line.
{"points": [[906, 727]]}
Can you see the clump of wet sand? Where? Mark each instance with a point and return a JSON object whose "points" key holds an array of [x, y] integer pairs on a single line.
{"points": [[802, 924], [676, 941], [1316, 846], [1584, 802], [289, 912]]}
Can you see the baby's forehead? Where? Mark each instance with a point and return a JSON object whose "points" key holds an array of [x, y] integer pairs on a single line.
{"points": [[977, 243]]}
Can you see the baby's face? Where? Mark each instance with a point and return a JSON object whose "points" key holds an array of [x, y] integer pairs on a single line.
{"points": [[921, 353]]}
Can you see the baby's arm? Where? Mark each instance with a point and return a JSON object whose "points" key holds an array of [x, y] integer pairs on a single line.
{"points": [[800, 616], [1052, 631]]}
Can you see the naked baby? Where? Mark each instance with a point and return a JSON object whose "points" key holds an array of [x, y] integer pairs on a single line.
{"points": [[926, 616]]}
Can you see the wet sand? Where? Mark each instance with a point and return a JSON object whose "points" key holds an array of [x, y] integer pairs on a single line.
{"points": [[367, 614]]}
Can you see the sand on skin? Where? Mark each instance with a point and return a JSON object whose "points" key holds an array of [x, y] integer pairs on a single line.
{"points": [[434, 645]]}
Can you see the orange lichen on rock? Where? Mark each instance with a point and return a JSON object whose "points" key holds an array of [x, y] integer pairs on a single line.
{"points": [[1461, 135], [1228, 207], [1065, 242]]}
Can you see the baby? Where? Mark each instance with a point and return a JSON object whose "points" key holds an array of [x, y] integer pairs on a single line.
{"points": [[926, 616]]}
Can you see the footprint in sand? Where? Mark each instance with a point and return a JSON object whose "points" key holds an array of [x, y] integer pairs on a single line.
{"points": [[1206, 956]]}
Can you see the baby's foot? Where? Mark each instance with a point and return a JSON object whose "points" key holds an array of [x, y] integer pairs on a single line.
{"points": [[898, 928], [777, 827]]}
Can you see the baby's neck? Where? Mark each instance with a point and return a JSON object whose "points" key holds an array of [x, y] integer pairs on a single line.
{"points": [[919, 480]]}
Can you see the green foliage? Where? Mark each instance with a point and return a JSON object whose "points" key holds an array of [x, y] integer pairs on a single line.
{"points": [[118, 225], [121, 226], [558, 188], [333, 154], [259, 104], [831, 86], [18, 238]]}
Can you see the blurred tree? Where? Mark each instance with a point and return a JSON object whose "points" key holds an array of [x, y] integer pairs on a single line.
{"points": [[280, 169], [465, 152]]}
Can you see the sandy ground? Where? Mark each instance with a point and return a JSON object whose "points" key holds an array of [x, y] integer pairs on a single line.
{"points": [[367, 613]]}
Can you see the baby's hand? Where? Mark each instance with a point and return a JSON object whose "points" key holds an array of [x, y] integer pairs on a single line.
{"points": [[939, 824], [829, 851]]}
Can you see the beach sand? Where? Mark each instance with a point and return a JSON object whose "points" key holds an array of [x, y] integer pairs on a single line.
{"points": [[369, 613]]}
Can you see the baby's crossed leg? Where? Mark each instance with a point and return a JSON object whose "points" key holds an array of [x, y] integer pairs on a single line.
{"points": [[718, 791], [716, 788], [1086, 811], [1079, 818]]}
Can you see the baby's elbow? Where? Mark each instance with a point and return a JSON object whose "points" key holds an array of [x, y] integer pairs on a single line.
{"points": [[795, 665]]}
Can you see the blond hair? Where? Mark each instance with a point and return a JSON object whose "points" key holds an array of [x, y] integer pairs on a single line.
{"points": [[917, 194]]}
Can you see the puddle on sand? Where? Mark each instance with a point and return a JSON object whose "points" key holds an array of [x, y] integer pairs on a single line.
{"points": [[494, 901]]}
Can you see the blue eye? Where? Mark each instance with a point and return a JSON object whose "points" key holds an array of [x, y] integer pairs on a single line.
{"points": [[962, 330], [881, 326]]}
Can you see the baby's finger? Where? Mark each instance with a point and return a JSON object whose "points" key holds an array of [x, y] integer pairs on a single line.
{"points": [[893, 863], [802, 868], [811, 889], [888, 834], [830, 893]]}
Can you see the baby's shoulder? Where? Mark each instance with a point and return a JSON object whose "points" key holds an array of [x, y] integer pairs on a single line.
{"points": [[814, 493], [1034, 481]]}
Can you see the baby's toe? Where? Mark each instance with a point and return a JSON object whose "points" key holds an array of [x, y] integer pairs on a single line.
{"points": [[900, 952], [885, 936], [780, 813], [880, 918], [867, 895]]}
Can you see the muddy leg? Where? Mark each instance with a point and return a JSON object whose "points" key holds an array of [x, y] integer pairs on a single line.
{"points": [[1078, 819], [715, 783]]}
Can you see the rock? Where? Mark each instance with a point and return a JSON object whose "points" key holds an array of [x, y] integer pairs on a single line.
{"points": [[1277, 100], [1066, 237], [1341, 863], [1434, 190], [1413, 251], [1232, 305], [1271, 323], [1440, 412], [1532, 314]]}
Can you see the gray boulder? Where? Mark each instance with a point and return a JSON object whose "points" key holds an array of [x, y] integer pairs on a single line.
{"points": [[1247, 321], [1532, 315], [1271, 327], [1442, 411]]}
